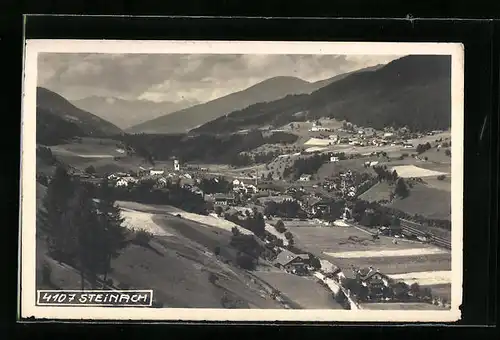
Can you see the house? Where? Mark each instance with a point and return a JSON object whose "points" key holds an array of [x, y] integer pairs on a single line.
{"points": [[388, 135], [322, 207], [121, 183], [334, 159], [223, 199], [156, 172], [251, 189], [374, 280], [391, 230], [162, 181], [293, 263], [305, 177], [333, 137], [407, 145]]}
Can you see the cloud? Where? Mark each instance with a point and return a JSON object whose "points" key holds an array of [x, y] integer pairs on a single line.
{"points": [[176, 77]]}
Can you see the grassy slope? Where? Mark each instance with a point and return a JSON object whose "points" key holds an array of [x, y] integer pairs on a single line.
{"points": [[77, 154], [176, 267], [425, 201]]}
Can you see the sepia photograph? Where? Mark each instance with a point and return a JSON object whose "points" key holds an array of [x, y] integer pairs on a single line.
{"points": [[241, 181]]}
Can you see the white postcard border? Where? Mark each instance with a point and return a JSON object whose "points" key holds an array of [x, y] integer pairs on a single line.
{"points": [[28, 179]]}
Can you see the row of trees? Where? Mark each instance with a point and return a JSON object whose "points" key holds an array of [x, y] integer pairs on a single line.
{"points": [[215, 185], [148, 192], [421, 148], [254, 222], [286, 208], [309, 165], [204, 147], [383, 174], [80, 231]]}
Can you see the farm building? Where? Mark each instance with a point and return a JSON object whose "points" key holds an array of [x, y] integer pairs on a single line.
{"points": [[323, 207], [222, 199], [305, 177], [374, 280], [156, 172], [294, 263]]}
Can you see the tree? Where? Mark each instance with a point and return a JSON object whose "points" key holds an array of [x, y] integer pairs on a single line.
{"points": [[288, 235], [245, 261], [218, 210], [82, 218], [394, 175], [314, 261], [280, 226], [258, 224], [401, 188], [60, 240], [90, 170], [447, 152], [415, 289], [114, 234]]}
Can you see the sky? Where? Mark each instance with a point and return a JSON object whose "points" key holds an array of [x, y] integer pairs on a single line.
{"points": [[182, 77]]}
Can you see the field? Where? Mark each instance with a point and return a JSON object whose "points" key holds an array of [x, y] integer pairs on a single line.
{"points": [[408, 171], [304, 291], [426, 201], [431, 199], [378, 192], [404, 258], [100, 153]]}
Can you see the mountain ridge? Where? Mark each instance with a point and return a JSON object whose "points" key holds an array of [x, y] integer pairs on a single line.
{"points": [[267, 90], [58, 119], [413, 91], [126, 113]]}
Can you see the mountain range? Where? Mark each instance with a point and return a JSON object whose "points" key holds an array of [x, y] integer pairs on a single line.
{"points": [[265, 91], [413, 91], [127, 113], [57, 119]]}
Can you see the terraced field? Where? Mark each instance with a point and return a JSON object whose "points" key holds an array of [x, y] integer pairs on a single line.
{"points": [[347, 246]]}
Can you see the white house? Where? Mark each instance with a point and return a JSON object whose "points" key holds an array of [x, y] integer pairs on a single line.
{"points": [[334, 159], [236, 182], [251, 188], [156, 172], [305, 177], [121, 183]]}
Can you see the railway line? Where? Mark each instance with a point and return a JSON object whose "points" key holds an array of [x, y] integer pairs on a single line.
{"points": [[415, 229]]}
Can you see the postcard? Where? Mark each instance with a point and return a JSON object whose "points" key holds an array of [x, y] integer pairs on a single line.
{"points": [[241, 181]]}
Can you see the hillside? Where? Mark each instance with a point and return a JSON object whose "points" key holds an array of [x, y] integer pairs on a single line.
{"points": [[413, 91], [58, 119], [127, 113], [184, 120]]}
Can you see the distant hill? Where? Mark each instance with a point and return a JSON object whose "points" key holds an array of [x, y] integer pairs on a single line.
{"points": [[127, 113], [413, 91], [58, 119], [189, 118]]}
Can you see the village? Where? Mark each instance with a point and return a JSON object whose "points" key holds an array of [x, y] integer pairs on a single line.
{"points": [[235, 198]]}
